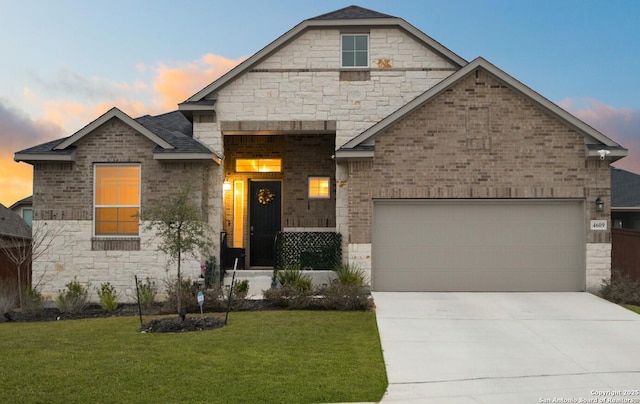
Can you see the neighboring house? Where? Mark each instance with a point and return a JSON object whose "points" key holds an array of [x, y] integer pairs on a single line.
{"points": [[24, 209], [440, 174], [625, 199], [15, 240]]}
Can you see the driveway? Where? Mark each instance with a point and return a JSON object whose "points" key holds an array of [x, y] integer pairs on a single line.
{"points": [[508, 348]]}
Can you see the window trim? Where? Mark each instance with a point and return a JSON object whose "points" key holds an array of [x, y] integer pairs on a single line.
{"points": [[354, 34], [317, 177], [139, 205]]}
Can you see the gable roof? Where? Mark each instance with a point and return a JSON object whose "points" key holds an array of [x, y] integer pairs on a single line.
{"points": [[362, 145], [28, 201], [625, 189], [348, 16], [171, 133], [12, 225], [351, 13]]}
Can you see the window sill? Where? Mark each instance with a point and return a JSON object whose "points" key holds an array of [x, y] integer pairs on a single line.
{"points": [[355, 74], [115, 243]]}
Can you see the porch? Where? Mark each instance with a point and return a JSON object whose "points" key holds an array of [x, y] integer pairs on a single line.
{"points": [[315, 253], [275, 182]]}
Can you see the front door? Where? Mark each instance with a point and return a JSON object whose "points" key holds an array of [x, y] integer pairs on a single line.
{"points": [[265, 201]]}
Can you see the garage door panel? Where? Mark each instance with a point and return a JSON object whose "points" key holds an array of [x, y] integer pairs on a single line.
{"points": [[492, 245]]}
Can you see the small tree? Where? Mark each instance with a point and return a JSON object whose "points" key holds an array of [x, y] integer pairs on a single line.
{"points": [[23, 251], [180, 226]]}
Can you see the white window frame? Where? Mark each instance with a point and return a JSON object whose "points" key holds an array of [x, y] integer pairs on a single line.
{"points": [[328, 179], [355, 50], [95, 169]]}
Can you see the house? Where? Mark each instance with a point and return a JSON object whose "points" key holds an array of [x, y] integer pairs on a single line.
{"points": [[24, 209], [439, 174], [625, 199], [15, 240]]}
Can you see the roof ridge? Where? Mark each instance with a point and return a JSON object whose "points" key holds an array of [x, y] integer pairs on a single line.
{"points": [[351, 12]]}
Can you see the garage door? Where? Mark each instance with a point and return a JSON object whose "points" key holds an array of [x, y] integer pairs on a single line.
{"points": [[478, 245]]}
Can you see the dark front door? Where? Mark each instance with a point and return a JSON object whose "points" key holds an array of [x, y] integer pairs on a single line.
{"points": [[265, 201]]}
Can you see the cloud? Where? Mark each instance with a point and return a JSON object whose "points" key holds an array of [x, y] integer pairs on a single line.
{"points": [[175, 84], [15, 180], [70, 101], [620, 124], [17, 132]]}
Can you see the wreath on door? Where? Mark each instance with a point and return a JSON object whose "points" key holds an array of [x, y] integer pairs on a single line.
{"points": [[265, 196]]}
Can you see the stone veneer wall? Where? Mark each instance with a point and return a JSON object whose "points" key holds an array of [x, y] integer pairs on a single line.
{"points": [[481, 139], [64, 199], [302, 82], [70, 257]]}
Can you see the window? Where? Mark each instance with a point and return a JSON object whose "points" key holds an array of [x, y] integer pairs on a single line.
{"points": [[258, 165], [355, 50], [238, 213], [27, 215], [117, 200], [319, 187]]}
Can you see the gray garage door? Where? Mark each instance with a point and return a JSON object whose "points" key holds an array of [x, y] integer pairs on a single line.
{"points": [[478, 245]]}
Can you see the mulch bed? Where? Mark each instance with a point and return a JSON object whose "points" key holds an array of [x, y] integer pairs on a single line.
{"points": [[192, 322], [178, 325]]}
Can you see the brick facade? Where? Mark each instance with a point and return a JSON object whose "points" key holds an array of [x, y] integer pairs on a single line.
{"points": [[434, 153], [64, 191], [479, 138], [63, 199], [303, 156]]}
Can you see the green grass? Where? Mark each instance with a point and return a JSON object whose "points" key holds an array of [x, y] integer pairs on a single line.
{"points": [[259, 357], [632, 307]]}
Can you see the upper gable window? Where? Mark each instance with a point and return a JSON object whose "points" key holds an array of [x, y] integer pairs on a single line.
{"points": [[355, 50], [117, 199]]}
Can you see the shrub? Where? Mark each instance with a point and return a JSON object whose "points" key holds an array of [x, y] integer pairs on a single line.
{"points": [[346, 297], [241, 289], [33, 302], [73, 299], [621, 288], [8, 297], [349, 274], [215, 300], [292, 276], [147, 292], [108, 297], [187, 295], [290, 297]]}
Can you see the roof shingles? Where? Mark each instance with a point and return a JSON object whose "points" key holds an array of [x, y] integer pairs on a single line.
{"points": [[12, 225], [171, 127], [351, 13]]}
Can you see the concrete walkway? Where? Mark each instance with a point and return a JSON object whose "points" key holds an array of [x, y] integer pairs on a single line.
{"points": [[507, 348]]}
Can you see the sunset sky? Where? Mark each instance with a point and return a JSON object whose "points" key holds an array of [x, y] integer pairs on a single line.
{"points": [[66, 62]]}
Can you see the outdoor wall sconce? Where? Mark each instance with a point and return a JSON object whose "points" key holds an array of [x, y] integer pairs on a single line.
{"points": [[226, 186], [599, 204]]}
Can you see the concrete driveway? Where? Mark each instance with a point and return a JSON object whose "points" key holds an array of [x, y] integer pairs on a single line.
{"points": [[508, 348]]}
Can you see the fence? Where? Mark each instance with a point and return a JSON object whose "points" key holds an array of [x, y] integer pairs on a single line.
{"points": [[625, 253], [310, 250]]}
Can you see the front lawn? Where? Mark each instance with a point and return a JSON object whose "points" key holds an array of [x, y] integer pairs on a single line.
{"points": [[265, 357]]}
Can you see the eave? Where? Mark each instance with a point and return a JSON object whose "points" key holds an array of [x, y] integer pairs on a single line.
{"points": [[113, 113], [368, 136], [42, 157], [187, 157]]}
